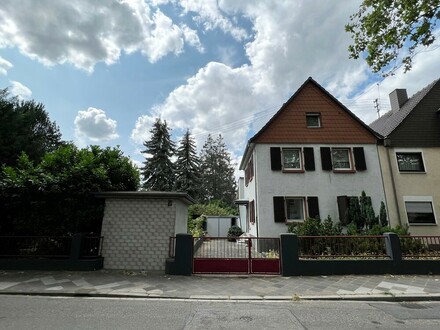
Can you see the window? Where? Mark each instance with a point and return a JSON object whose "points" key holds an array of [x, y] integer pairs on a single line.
{"points": [[410, 162], [420, 212], [251, 212], [313, 120], [295, 208], [292, 159], [341, 159]]}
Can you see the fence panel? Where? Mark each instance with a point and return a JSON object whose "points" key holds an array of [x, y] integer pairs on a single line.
{"points": [[342, 247], [420, 246], [35, 246]]}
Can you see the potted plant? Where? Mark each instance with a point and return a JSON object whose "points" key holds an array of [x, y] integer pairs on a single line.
{"points": [[233, 233]]}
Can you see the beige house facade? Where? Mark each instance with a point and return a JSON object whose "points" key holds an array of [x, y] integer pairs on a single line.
{"points": [[410, 158]]}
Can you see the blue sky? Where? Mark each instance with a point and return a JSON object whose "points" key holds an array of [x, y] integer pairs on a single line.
{"points": [[106, 69]]}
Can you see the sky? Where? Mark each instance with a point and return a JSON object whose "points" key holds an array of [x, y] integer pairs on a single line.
{"points": [[105, 70]]}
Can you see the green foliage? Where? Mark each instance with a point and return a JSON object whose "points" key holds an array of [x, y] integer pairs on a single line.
{"points": [[25, 127], [355, 213], [158, 170], [55, 196], [234, 231], [383, 215], [390, 31], [218, 180], [188, 178], [314, 227], [197, 213]]}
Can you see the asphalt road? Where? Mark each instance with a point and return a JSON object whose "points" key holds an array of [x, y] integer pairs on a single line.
{"points": [[31, 312]]}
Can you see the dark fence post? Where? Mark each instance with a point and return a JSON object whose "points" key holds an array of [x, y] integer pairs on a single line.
{"points": [[289, 254], [75, 247], [184, 255], [393, 248]]}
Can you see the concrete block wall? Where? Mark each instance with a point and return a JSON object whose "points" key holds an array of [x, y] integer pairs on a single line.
{"points": [[136, 233]]}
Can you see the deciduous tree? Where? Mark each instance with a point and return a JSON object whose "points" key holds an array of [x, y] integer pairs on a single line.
{"points": [[390, 32]]}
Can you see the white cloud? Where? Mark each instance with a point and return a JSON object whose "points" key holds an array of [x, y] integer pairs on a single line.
{"points": [[93, 124], [211, 15], [192, 38], [4, 66], [84, 33], [20, 90], [143, 126], [210, 102]]}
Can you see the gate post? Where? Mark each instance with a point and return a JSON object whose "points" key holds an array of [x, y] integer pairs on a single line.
{"points": [[289, 254], [183, 259]]}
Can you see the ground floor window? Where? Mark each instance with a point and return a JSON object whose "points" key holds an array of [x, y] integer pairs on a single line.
{"points": [[420, 212], [295, 208]]}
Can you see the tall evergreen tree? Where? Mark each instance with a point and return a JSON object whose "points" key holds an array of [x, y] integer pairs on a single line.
{"points": [[218, 181], [187, 167], [158, 170]]}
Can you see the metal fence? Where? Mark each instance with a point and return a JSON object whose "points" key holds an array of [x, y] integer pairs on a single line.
{"points": [[238, 248], [35, 246], [420, 246], [48, 246], [342, 247]]}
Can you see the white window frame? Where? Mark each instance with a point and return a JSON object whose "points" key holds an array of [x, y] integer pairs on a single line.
{"points": [[313, 114], [350, 161], [420, 199], [301, 160], [410, 151], [303, 205]]}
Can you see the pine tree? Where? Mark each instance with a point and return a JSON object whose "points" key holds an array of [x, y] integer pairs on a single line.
{"points": [[158, 170], [217, 172], [187, 167]]}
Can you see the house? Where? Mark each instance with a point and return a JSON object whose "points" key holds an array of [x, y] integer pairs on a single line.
{"points": [[410, 158], [306, 162]]}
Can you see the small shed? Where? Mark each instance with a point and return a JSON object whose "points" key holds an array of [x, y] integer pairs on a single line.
{"points": [[137, 226], [218, 226]]}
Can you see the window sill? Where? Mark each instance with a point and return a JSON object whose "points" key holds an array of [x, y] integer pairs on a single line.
{"points": [[293, 171], [422, 224], [288, 222], [344, 171], [412, 172]]}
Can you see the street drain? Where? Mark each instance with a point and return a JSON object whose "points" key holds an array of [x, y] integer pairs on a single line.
{"points": [[246, 318]]}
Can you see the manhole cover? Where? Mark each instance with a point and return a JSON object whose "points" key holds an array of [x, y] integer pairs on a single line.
{"points": [[246, 318]]}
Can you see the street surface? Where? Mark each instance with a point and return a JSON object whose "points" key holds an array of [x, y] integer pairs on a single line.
{"points": [[33, 312]]}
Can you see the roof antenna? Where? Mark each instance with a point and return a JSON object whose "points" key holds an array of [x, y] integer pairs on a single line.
{"points": [[377, 102]]}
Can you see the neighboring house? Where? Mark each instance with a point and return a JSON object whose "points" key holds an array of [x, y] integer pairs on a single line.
{"points": [[410, 159], [305, 162]]}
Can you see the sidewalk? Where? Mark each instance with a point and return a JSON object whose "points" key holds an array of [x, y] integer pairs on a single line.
{"points": [[138, 284]]}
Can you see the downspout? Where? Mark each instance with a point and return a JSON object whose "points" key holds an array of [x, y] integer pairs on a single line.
{"points": [[393, 184]]}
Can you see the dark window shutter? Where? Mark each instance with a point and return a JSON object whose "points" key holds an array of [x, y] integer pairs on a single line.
{"points": [[309, 159], [278, 209], [313, 206], [275, 159], [342, 209], [359, 158], [326, 159]]}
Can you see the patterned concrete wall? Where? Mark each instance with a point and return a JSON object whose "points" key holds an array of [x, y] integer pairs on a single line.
{"points": [[136, 233]]}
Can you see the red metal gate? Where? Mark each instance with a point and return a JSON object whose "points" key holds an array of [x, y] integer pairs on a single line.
{"points": [[216, 255]]}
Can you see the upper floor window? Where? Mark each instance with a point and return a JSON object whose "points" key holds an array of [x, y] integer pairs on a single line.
{"points": [[292, 159], [295, 209], [313, 119], [341, 159], [410, 162], [249, 171]]}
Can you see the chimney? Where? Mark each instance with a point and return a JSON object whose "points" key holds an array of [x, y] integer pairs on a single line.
{"points": [[398, 97]]}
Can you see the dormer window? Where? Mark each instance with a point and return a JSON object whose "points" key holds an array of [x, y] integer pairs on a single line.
{"points": [[313, 119]]}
